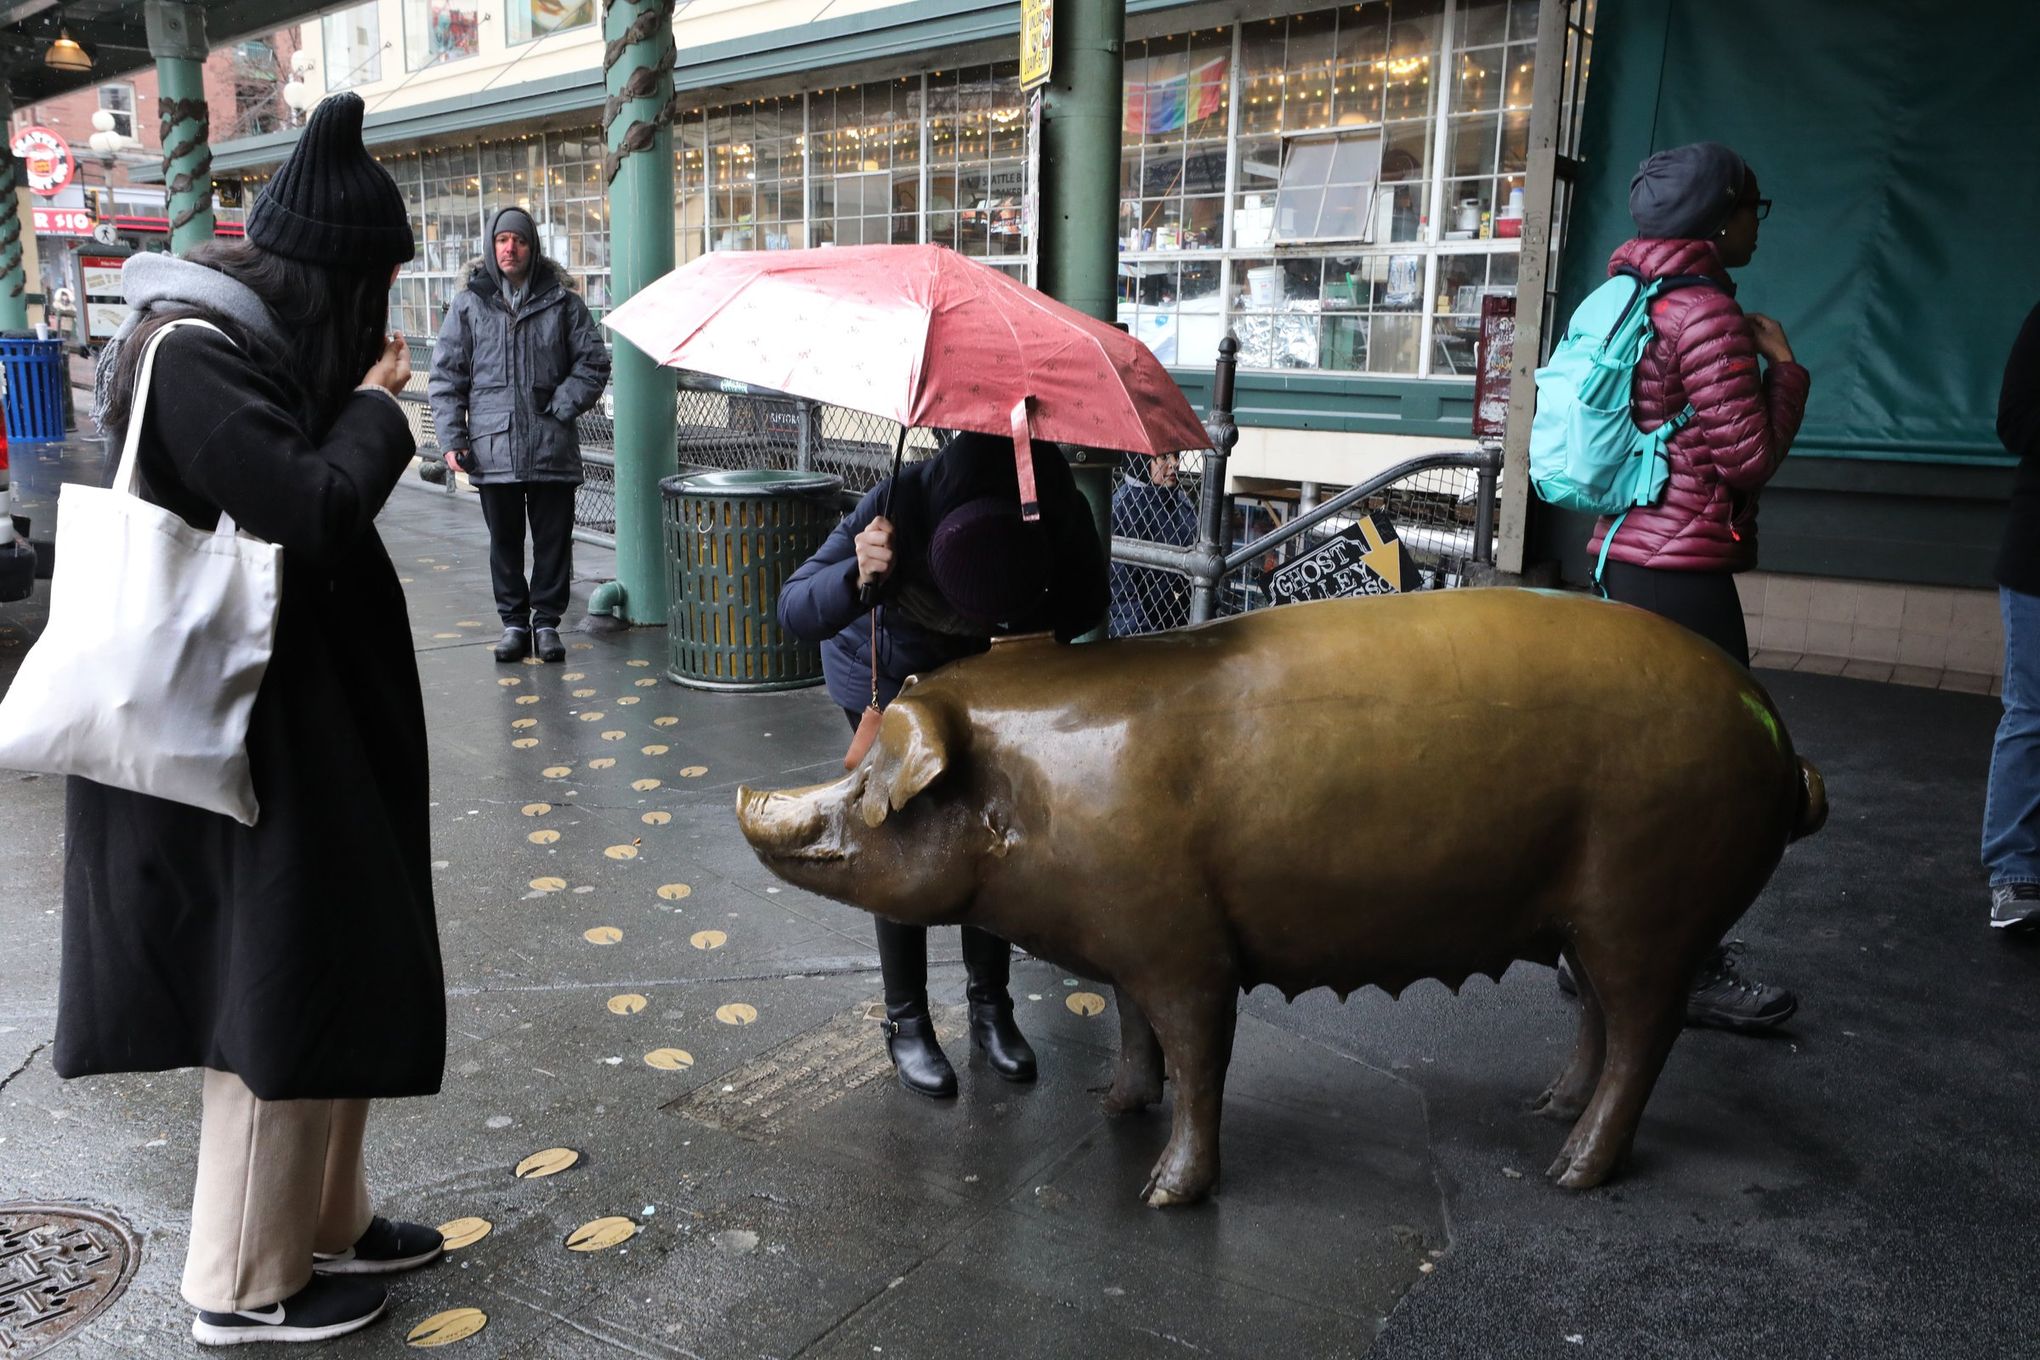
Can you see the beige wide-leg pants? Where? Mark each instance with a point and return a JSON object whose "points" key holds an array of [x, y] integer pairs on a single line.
{"points": [[277, 1181]]}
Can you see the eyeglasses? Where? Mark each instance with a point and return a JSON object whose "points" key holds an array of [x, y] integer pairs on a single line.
{"points": [[1763, 208]]}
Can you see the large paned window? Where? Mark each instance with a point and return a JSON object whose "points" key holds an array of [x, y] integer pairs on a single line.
{"points": [[534, 19], [353, 40], [440, 30], [977, 164], [864, 167], [119, 100]]}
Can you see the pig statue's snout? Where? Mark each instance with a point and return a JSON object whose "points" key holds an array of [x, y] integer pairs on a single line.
{"points": [[788, 824]]}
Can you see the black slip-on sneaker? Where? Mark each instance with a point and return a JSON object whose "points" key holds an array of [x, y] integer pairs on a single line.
{"points": [[323, 1309], [384, 1249]]}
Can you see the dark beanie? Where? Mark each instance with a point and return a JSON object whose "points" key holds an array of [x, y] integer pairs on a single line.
{"points": [[517, 220], [988, 563], [331, 204], [1686, 192]]}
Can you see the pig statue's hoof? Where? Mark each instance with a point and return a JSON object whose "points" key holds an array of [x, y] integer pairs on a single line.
{"points": [[1573, 1173], [1126, 1097], [1165, 1189], [1555, 1104]]}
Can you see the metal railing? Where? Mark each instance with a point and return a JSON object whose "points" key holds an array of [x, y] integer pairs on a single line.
{"points": [[1437, 521]]}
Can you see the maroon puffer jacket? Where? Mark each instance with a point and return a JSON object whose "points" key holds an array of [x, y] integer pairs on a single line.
{"points": [[1704, 352]]}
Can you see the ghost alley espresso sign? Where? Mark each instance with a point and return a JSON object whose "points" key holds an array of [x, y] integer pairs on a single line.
{"points": [[1367, 559], [48, 159]]}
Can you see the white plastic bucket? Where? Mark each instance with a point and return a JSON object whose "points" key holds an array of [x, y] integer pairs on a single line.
{"points": [[1264, 286]]}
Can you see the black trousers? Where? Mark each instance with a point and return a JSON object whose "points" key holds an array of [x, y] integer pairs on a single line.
{"points": [[549, 509], [903, 956], [1704, 602]]}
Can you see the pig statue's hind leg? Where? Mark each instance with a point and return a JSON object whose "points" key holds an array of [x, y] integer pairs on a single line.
{"points": [[1642, 997], [1137, 1078], [1196, 1032], [1569, 1092]]}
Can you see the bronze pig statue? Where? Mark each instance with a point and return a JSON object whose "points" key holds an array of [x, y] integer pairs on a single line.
{"points": [[1330, 795]]}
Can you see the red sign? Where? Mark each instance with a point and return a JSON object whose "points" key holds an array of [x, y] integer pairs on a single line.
{"points": [[49, 160], [1494, 354], [63, 222]]}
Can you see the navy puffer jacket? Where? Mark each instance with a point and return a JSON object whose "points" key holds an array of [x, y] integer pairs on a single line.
{"points": [[1744, 417]]}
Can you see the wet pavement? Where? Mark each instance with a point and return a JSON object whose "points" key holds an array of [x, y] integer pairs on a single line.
{"points": [[625, 981]]}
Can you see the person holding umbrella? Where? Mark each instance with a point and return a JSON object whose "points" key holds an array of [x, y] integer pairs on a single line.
{"points": [[949, 561]]}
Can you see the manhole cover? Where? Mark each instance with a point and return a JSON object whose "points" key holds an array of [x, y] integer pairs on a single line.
{"points": [[60, 1265]]}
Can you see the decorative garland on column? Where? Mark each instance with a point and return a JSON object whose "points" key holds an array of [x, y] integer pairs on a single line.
{"points": [[196, 121], [653, 22], [10, 228]]}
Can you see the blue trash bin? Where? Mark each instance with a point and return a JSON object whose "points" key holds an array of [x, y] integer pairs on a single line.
{"points": [[35, 388]]}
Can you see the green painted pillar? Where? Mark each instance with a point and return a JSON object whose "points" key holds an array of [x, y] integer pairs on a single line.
{"points": [[638, 132], [13, 278], [177, 42], [1081, 113]]}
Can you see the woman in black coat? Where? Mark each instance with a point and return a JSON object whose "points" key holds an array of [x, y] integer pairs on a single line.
{"points": [[297, 960], [953, 565]]}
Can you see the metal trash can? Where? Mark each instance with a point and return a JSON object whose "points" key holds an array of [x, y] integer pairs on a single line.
{"points": [[732, 539], [36, 388]]}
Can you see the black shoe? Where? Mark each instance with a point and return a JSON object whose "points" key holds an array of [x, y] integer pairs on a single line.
{"points": [[920, 1061], [1723, 998], [2015, 908], [323, 1309], [546, 642], [992, 1031], [1565, 979], [383, 1250], [514, 645]]}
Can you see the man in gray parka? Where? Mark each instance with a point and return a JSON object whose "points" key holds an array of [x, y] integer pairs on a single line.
{"points": [[517, 360]]}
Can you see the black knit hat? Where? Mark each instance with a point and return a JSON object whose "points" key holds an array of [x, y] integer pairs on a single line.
{"points": [[988, 563], [331, 203]]}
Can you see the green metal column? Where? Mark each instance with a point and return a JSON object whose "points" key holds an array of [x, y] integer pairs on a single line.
{"points": [[177, 42], [13, 278], [638, 131], [1081, 111]]}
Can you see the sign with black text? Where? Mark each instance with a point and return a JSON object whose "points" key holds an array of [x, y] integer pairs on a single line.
{"points": [[1367, 559]]}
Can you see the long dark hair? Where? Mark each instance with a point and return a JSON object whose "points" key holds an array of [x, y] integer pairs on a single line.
{"points": [[334, 317]]}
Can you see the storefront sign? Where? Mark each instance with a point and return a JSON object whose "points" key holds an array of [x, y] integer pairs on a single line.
{"points": [[63, 222], [1037, 42], [1367, 559], [48, 158]]}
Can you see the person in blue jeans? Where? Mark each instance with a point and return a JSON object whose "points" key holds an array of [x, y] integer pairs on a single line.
{"points": [[2011, 809]]}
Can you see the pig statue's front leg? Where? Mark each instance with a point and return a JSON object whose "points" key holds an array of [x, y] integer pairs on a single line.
{"points": [[1196, 1033], [1137, 1078]]}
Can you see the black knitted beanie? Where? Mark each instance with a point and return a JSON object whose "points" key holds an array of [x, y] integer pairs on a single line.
{"points": [[330, 203]]}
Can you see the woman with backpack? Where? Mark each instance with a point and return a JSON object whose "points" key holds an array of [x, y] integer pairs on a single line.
{"points": [[1697, 211]]}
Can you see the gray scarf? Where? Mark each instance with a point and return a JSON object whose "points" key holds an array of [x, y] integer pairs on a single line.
{"points": [[156, 280]]}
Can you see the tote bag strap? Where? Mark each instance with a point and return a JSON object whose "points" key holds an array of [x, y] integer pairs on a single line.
{"points": [[129, 472]]}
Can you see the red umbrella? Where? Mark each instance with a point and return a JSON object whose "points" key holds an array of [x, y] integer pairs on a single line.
{"points": [[916, 334]]}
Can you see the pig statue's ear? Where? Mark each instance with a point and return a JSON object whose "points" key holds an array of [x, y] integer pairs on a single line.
{"points": [[911, 753]]}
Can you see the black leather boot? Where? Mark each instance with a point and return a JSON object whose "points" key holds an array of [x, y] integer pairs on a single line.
{"points": [[910, 1042], [993, 1032]]}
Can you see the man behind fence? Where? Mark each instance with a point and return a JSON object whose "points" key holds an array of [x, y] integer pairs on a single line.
{"points": [[517, 360]]}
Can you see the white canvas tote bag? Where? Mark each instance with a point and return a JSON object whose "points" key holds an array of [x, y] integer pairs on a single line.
{"points": [[157, 641]]}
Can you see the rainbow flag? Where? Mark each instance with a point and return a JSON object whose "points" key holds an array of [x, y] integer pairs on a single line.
{"points": [[1165, 105]]}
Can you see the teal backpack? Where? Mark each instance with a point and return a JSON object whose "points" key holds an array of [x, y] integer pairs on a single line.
{"points": [[1586, 452]]}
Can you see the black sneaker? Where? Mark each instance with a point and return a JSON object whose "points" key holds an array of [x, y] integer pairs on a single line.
{"points": [[383, 1250], [323, 1309], [514, 645], [1724, 999], [546, 642], [2015, 908]]}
